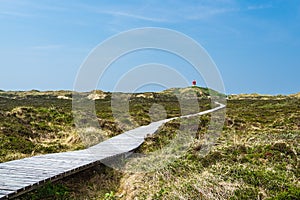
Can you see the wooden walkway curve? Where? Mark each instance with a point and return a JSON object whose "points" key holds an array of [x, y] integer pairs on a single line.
{"points": [[20, 176]]}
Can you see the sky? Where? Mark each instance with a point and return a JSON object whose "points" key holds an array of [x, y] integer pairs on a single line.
{"points": [[255, 44]]}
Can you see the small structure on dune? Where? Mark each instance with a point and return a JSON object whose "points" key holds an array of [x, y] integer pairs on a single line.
{"points": [[194, 83]]}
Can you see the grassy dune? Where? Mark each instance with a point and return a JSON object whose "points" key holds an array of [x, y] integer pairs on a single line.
{"points": [[255, 157], [34, 122]]}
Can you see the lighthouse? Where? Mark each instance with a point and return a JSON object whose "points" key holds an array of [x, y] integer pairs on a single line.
{"points": [[194, 83]]}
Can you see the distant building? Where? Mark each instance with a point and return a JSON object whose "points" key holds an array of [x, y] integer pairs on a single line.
{"points": [[194, 82]]}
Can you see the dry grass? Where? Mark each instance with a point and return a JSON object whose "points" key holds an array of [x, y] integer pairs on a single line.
{"points": [[256, 156]]}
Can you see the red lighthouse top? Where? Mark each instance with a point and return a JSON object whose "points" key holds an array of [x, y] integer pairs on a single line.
{"points": [[194, 82]]}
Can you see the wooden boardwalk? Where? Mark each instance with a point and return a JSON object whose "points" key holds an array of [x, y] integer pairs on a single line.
{"points": [[21, 176]]}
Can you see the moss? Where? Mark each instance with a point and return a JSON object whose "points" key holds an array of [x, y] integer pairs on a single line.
{"points": [[245, 193], [290, 194]]}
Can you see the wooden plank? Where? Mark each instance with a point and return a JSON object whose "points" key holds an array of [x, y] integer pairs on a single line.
{"points": [[29, 171], [5, 192], [66, 160], [44, 165], [12, 187], [22, 177], [76, 156]]}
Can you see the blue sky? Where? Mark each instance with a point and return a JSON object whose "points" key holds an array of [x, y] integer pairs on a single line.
{"points": [[255, 44]]}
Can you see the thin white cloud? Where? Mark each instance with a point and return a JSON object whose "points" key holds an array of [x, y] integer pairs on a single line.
{"points": [[131, 11], [169, 11], [54, 6], [15, 14], [211, 10], [200, 10], [47, 47], [28, 8], [258, 7], [135, 16], [208, 12]]}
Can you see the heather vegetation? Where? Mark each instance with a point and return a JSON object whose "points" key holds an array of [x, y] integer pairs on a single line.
{"points": [[255, 157], [35, 122]]}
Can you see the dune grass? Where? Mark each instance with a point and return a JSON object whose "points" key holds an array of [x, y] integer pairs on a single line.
{"points": [[255, 157]]}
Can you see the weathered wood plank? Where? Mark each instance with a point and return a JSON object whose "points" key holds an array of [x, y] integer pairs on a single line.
{"points": [[5, 192]]}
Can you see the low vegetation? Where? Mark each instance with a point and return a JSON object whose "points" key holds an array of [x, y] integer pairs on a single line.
{"points": [[35, 122], [255, 157]]}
